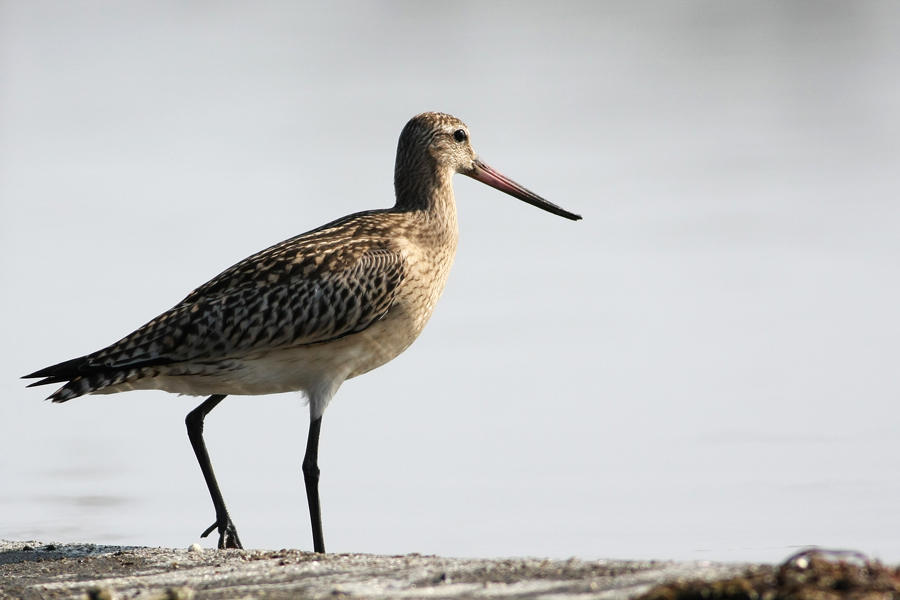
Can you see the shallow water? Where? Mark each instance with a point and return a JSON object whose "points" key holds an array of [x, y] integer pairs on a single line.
{"points": [[706, 367]]}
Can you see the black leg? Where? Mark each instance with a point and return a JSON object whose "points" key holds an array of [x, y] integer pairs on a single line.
{"points": [[228, 537], [311, 478]]}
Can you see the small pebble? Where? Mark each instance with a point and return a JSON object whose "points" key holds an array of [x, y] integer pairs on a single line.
{"points": [[195, 548]]}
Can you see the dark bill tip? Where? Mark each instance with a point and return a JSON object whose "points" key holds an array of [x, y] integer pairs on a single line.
{"points": [[499, 181]]}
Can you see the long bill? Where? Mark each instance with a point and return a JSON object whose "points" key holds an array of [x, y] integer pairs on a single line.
{"points": [[496, 180]]}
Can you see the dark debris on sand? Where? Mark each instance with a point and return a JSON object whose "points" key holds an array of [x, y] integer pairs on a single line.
{"points": [[810, 575]]}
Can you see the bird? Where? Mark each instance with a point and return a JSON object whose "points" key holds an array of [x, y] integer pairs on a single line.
{"points": [[308, 313]]}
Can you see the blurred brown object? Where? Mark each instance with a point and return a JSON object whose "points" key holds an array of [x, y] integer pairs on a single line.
{"points": [[813, 574]]}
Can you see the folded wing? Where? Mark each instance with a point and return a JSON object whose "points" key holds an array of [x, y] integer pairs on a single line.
{"points": [[296, 299]]}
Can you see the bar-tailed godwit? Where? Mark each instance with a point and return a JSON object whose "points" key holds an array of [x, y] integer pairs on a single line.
{"points": [[308, 313]]}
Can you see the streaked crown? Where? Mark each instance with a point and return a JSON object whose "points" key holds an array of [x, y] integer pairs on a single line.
{"points": [[432, 147]]}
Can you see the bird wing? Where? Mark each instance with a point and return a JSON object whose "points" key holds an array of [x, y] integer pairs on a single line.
{"points": [[283, 297], [288, 312]]}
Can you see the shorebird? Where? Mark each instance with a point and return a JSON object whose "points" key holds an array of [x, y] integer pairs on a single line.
{"points": [[308, 313]]}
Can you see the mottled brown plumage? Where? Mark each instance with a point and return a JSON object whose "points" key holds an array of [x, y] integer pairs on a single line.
{"points": [[310, 312]]}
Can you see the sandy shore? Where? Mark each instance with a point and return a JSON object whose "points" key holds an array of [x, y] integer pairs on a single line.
{"points": [[37, 570]]}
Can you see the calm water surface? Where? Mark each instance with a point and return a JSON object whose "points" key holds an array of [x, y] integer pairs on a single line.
{"points": [[706, 367]]}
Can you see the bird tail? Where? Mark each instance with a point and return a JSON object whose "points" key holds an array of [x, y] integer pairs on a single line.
{"points": [[81, 377]]}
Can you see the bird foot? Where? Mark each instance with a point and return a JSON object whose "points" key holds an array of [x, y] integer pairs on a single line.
{"points": [[228, 536]]}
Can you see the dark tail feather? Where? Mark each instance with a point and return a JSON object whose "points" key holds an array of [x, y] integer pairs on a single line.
{"points": [[70, 372], [47, 381], [99, 379], [78, 387], [64, 371], [80, 377]]}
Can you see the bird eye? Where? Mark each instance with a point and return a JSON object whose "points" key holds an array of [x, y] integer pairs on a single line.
{"points": [[460, 135]]}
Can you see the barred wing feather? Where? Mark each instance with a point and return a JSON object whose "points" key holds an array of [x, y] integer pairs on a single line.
{"points": [[342, 296]]}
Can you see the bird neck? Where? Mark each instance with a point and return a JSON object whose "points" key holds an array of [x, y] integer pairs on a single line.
{"points": [[428, 189]]}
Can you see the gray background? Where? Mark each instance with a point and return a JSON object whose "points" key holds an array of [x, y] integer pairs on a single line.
{"points": [[706, 367]]}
